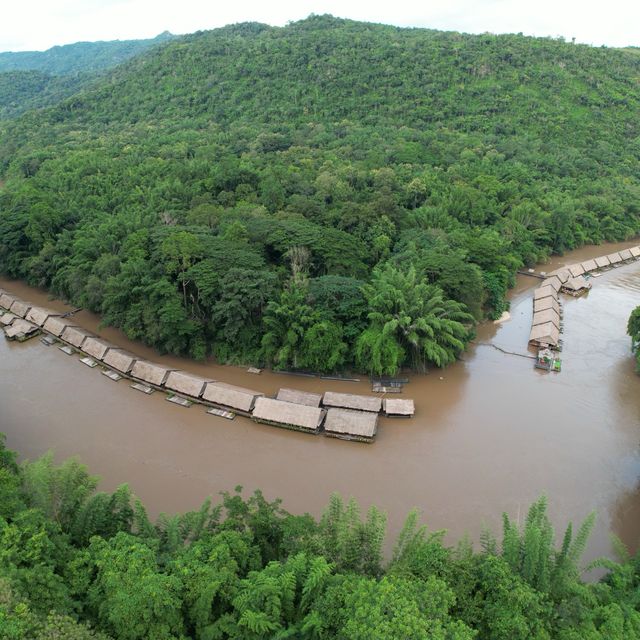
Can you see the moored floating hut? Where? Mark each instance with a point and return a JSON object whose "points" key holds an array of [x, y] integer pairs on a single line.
{"points": [[75, 336], [20, 308], [614, 258], [229, 396], [120, 360], [7, 318], [351, 425], [634, 251], [548, 315], [19, 328], [553, 282], [397, 407], [39, 315], [150, 372], [6, 300], [545, 335], [589, 265], [543, 292], [576, 286], [352, 401], [56, 325], [602, 262], [575, 270], [280, 413], [562, 274], [299, 397], [186, 383], [546, 303], [625, 254], [96, 347]]}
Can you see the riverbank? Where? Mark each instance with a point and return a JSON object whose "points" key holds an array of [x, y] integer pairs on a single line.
{"points": [[483, 440]]}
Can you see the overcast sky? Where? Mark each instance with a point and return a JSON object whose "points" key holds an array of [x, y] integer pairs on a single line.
{"points": [[40, 24]]}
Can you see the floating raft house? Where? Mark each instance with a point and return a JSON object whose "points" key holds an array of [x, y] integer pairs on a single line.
{"points": [[634, 251], [96, 347], [150, 372], [625, 254], [351, 401], [75, 336], [562, 274], [548, 315], [120, 360], [20, 308], [554, 282], [56, 325], [576, 285], [299, 397], [589, 265], [397, 408], [7, 318], [351, 425], [546, 303], [543, 292], [576, 270], [280, 413], [544, 335], [20, 329], [186, 383], [6, 300], [228, 396], [39, 315], [602, 262], [614, 258]]}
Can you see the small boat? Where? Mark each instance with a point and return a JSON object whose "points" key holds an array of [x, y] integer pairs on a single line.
{"points": [[183, 402], [221, 413], [548, 360], [138, 386]]}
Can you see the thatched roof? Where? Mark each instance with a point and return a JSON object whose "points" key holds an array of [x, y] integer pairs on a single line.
{"points": [[20, 308], [398, 407], [589, 265], [546, 303], [75, 335], [543, 292], [576, 270], [614, 257], [562, 274], [39, 315], [7, 318], [150, 372], [56, 325], [635, 252], [229, 395], [186, 383], [545, 334], [625, 254], [280, 412], [577, 284], [299, 397], [96, 347], [20, 326], [602, 261], [6, 300], [120, 360], [352, 401], [554, 282], [548, 315], [361, 425]]}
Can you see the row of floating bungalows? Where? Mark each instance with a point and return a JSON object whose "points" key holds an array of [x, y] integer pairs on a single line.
{"points": [[340, 415], [546, 325]]}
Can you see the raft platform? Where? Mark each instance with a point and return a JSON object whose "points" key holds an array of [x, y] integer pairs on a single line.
{"points": [[138, 386], [221, 413], [182, 402], [112, 375]]}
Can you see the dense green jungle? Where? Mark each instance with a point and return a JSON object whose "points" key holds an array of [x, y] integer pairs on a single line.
{"points": [[323, 196], [76, 564]]}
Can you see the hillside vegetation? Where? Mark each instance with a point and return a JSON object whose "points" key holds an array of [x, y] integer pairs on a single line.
{"points": [[325, 195], [76, 564]]}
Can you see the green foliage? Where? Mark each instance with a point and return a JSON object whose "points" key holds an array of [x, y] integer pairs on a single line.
{"points": [[77, 565], [633, 329]]}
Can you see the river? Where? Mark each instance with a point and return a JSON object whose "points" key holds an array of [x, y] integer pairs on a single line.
{"points": [[491, 433]]}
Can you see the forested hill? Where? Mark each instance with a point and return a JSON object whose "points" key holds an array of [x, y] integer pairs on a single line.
{"points": [[327, 194], [78, 57], [34, 79]]}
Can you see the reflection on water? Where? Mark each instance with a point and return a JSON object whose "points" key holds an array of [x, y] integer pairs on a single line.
{"points": [[490, 433]]}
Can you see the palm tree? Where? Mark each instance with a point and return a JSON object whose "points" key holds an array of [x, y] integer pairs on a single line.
{"points": [[410, 319]]}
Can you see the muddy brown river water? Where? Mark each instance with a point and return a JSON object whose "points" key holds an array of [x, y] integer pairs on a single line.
{"points": [[491, 433]]}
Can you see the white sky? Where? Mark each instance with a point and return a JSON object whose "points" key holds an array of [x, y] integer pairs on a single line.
{"points": [[39, 24]]}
